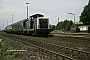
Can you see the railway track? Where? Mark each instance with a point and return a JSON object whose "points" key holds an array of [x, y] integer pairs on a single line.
{"points": [[76, 43], [54, 54], [58, 51], [57, 48]]}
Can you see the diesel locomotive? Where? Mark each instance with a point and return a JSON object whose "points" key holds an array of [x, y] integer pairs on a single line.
{"points": [[36, 25]]}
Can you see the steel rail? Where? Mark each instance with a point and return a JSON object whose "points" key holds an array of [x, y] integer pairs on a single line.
{"points": [[63, 57]]}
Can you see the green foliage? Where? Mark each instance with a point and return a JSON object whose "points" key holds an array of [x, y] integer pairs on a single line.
{"points": [[64, 25], [68, 26], [85, 15], [60, 26], [7, 55], [53, 27]]}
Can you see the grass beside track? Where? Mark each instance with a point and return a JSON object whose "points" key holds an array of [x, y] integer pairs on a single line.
{"points": [[4, 53]]}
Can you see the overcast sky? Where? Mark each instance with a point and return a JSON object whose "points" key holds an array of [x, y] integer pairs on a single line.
{"points": [[49, 8]]}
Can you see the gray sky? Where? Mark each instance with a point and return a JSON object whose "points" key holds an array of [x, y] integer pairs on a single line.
{"points": [[50, 8]]}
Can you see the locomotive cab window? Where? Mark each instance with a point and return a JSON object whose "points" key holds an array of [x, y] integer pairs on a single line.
{"points": [[43, 23]]}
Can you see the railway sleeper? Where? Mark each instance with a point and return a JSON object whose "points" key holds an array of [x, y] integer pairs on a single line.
{"points": [[66, 48], [44, 49], [41, 42]]}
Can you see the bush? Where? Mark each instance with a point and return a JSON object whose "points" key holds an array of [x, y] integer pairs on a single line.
{"points": [[7, 55]]}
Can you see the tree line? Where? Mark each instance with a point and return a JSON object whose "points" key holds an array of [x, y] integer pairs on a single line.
{"points": [[66, 25]]}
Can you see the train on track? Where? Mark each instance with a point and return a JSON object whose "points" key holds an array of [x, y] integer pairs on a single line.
{"points": [[36, 25]]}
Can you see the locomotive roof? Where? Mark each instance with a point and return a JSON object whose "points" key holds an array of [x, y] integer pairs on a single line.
{"points": [[37, 15]]}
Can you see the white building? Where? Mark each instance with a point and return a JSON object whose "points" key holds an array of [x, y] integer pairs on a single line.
{"points": [[83, 28]]}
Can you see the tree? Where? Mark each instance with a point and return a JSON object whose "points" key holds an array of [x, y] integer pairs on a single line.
{"points": [[59, 26], [65, 23], [68, 26], [85, 15], [53, 27], [62, 25]]}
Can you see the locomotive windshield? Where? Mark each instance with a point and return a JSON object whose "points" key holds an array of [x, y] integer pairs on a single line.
{"points": [[43, 23]]}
